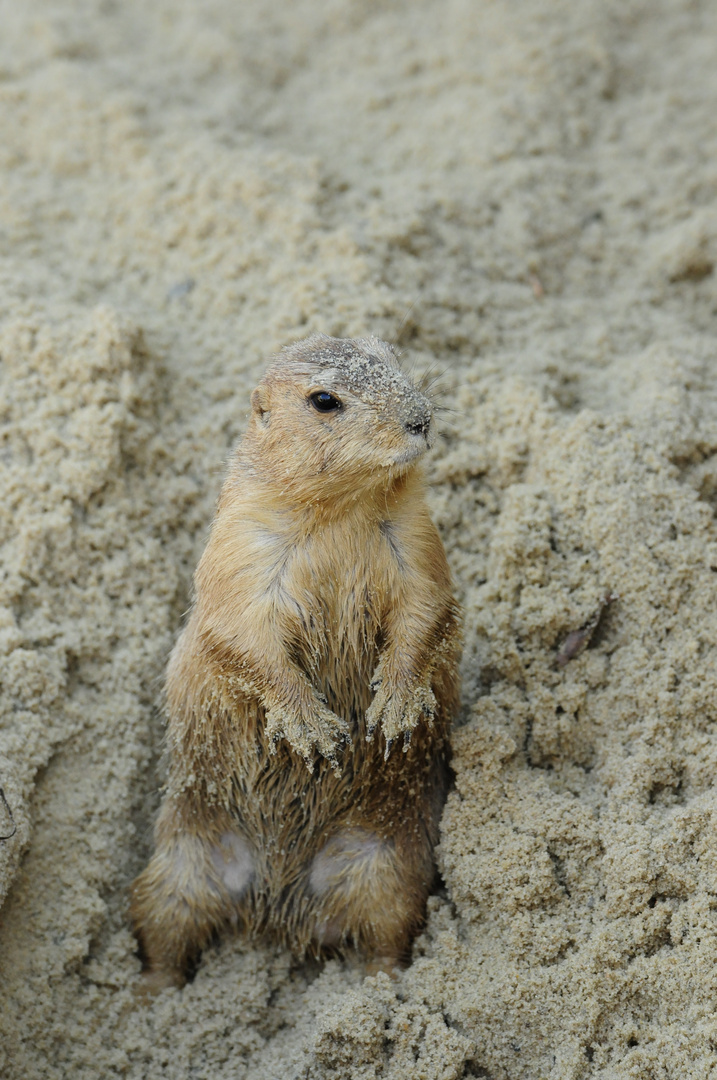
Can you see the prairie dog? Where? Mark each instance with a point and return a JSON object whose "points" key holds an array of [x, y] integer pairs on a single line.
{"points": [[325, 634]]}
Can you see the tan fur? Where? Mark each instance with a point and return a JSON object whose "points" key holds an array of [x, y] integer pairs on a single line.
{"points": [[324, 612]]}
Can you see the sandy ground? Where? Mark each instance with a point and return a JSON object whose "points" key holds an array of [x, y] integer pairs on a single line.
{"points": [[523, 193]]}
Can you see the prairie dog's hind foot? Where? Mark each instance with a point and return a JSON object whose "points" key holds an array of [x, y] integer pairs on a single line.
{"points": [[392, 966], [151, 983]]}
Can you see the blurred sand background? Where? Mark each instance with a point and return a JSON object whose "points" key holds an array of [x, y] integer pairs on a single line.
{"points": [[524, 193]]}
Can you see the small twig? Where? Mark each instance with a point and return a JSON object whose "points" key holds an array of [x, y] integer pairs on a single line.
{"points": [[537, 286], [9, 814], [579, 639]]}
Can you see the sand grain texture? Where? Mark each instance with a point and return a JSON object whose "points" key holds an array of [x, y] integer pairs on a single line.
{"points": [[524, 194]]}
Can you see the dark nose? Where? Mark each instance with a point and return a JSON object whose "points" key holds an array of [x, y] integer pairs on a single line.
{"points": [[418, 425]]}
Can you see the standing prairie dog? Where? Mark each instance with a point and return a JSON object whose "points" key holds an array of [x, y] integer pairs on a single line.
{"points": [[324, 630]]}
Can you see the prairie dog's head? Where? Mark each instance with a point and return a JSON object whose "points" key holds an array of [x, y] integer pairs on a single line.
{"points": [[335, 412]]}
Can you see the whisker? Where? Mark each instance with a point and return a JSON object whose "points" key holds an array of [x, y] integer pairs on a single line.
{"points": [[405, 319]]}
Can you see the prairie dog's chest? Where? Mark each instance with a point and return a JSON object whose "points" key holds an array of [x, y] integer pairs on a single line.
{"points": [[335, 586]]}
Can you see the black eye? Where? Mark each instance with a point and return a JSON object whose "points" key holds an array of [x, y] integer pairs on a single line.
{"points": [[323, 401]]}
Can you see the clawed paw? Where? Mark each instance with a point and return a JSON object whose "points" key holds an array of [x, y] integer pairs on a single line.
{"points": [[398, 712], [316, 729]]}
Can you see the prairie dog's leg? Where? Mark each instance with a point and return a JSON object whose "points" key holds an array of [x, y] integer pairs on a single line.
{"points": [[259, 655], [369, 894], [422, 634], [200, 870]]}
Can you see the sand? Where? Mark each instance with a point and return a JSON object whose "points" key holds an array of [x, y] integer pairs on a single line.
{"points": [[523, 195]]}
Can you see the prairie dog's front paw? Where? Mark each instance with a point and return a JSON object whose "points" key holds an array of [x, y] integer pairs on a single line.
{"points": [[311, 729], [398, 710]]}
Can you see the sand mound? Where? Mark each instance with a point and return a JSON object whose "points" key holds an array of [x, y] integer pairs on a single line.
{"points": [[524, 195]]}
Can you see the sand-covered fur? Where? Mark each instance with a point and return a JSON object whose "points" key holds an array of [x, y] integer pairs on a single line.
{"points": [[524, 196]]}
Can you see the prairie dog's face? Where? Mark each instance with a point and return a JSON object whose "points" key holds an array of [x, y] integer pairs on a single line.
{"points": [[340, 412]]}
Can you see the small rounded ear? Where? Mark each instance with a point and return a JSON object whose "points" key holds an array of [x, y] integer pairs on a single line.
{"points": [[260, 403]]}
